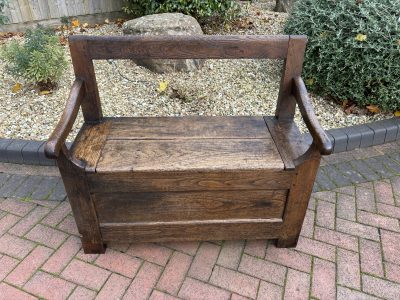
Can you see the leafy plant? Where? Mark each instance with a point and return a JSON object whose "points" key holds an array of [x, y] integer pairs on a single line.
{"points": [[3, 18], [203, 10], [65, 21], [40, 59], [353, 51]]}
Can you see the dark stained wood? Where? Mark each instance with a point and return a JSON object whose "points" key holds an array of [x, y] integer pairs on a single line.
{"points": [[321, 140], [183, 181], [89, 143], [57, 138], [84, 70], [188, 178], [76, 186], [299, 195], [201, 205], [189, 155], [189, 127], [196, 46], [288, 140], [293, 65], [191, 230]]}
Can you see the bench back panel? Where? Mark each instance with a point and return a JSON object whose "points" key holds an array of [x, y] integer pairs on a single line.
{"points": [[86, 48]]}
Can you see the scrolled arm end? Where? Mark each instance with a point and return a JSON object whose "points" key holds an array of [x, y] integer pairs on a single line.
{"points": [[51, 149], [320, 138], [325, 147]]}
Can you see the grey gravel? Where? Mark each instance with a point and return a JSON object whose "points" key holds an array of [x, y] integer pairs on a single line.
{"points": [[221, 87]]}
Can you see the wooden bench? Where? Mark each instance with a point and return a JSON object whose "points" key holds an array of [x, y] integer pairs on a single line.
{"points": [[188, 178]]}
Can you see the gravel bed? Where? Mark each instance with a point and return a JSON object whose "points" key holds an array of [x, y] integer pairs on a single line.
{"points": [[221, 87]]}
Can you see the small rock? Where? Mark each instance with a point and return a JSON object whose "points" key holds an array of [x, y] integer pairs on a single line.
{"points": [[165, 24]]}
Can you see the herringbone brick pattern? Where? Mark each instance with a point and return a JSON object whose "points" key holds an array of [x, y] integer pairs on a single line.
{"points": [[349, 249]]}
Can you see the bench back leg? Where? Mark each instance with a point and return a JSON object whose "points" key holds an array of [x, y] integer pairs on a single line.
{"points": [[84, 70], [293, 65], [75, 183], [298, 198]]}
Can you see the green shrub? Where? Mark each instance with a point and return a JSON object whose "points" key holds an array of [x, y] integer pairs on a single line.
{"points": [[3, 18], [353, 51], [40, 59], [202, 10]]}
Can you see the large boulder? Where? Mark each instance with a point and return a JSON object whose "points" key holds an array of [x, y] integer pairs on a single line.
{"points": [[284, 5], [165, 24]]}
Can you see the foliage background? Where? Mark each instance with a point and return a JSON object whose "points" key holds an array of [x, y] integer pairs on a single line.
{"points": [[353, 51], [40, 59], [202, 10]]}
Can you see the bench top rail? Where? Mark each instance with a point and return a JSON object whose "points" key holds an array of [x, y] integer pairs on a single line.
{"points": [[184, 47]]}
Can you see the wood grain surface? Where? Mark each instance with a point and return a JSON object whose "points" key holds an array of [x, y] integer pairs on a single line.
{"points": [[89, 143], [192, 230], [201, 205], [188, 127], [189, 181], [189, 155], [183, 47]]}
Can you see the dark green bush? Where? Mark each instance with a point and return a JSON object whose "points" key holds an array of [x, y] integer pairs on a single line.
{"points": [[353, 51], [40, 59], [202, 10]]}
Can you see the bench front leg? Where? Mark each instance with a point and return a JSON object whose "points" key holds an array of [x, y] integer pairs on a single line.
{"points": [[299, 196]]}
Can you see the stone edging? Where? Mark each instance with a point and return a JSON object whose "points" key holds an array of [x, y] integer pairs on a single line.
{"points": [[344, 139]]}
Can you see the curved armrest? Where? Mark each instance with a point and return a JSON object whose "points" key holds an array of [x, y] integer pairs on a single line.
{"points": [[57, 138], [321, 139]]}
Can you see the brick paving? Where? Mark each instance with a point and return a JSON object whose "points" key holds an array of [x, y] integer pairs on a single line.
{"points": [[349, 246]]}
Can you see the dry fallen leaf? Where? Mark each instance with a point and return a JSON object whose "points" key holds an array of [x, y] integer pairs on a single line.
{"points": [[361, 37], [373, 109], [397, 113], [310, 81], [75, 23], [63, 40], [163, 86], [44, 92], [119, 22], [16, 88], [349, 110]]}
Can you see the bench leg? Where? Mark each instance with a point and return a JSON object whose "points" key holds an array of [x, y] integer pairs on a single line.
{"points": [[287, 242], [298, 198], [76, 186], [93, 248]]}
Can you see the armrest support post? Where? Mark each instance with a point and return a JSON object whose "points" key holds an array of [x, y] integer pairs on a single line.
{"points": [[321, 139], [56, 140]]}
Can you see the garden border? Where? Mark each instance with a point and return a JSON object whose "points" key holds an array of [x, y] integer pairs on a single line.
{"points": [[31, 152]]}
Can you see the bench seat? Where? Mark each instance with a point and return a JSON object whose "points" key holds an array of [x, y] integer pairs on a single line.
{"points": [[185, 144], [183, 173]]}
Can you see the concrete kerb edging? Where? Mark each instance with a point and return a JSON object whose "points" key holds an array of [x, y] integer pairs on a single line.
{"points": [[344, 139]]}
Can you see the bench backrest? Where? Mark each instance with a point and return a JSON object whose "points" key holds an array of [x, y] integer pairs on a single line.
{"points": [[86, 48]]}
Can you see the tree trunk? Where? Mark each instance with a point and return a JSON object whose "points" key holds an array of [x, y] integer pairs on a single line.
{"points": [[284, 5]]}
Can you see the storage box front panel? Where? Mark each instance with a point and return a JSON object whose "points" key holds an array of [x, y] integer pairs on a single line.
{"points": [[186, 206]]}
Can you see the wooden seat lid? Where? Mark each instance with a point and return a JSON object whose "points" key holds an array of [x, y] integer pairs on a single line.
{"points": [[189, 144]]}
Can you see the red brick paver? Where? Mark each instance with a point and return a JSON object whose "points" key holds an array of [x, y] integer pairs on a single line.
{"points": [[85, 274], [29, 266], [48, 286], [8, 292], [349, 249], [195, 289]]}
